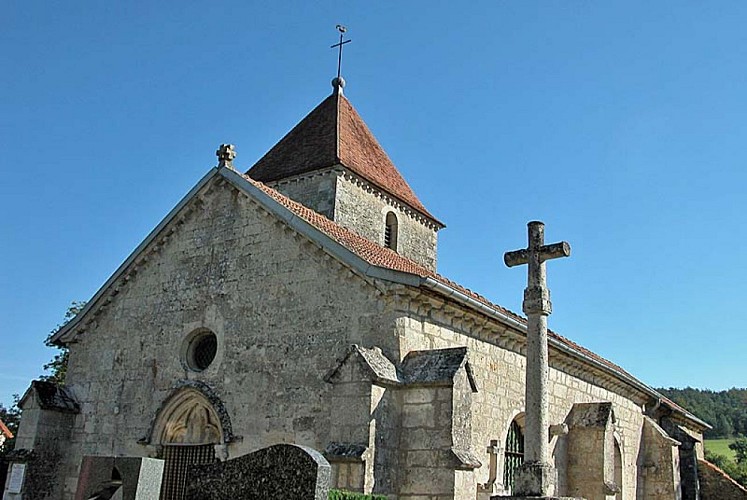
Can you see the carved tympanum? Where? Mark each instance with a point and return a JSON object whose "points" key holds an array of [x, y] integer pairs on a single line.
{"points": [[188, 418]]}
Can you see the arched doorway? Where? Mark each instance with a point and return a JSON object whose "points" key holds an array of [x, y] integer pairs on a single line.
{"points": [[187, 429]]}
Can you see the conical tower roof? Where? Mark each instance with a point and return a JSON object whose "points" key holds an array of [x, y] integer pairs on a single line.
{"points": [[335, 134]]}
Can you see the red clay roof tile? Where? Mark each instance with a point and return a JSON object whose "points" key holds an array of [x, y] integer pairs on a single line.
{"points": [[335, 134], [5, 431]]}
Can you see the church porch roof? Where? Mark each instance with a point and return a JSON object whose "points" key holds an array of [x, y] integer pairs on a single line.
{"points": [[50, 396]]}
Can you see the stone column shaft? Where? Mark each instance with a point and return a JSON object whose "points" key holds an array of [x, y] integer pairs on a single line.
{"points": [[535, 438], [537, 307]]}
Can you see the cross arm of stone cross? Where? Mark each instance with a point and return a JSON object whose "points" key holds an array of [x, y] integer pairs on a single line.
{"points": [[547, 252]]}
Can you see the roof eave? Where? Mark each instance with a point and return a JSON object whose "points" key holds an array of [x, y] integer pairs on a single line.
{"points": [[512, 322]]}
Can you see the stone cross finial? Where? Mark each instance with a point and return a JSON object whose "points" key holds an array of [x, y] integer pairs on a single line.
{"points": [[536, 477], [225, 153]]}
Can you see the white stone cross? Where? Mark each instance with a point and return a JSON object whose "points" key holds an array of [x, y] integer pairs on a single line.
{"points": [[226, 153], [537, 307]]}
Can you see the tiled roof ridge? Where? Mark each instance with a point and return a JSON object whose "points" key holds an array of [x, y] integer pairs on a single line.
{"points": [[378, 255]]}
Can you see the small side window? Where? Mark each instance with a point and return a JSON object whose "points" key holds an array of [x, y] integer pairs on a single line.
{"points": [[390, 231]]}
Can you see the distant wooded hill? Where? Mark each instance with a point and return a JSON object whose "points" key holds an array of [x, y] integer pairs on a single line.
{"points": [[726, 411]]}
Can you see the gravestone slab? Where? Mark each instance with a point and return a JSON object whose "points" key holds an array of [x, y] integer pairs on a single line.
{"points": [[128, 478], [282, 471]]}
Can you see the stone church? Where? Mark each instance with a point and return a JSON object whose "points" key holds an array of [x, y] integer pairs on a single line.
{"points": [[299, 302]]}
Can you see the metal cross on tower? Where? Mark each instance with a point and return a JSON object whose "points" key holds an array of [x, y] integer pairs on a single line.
{"points": [[537, 477], [342, 29]]}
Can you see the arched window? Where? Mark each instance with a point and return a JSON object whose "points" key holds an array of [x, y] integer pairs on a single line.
{"points": [[390, 231], [514, 454]]}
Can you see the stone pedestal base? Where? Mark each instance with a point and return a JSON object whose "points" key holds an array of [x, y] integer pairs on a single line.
{"points": [[535, 479]]}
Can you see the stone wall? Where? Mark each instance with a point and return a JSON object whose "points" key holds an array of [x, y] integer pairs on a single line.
{"points": [[358, 206], [496, 356], [715, 484], [281, 309], [427, 470], [365, 419], [590, 464], [362, 209], [659, 464], [315, 190], [42, 441]]}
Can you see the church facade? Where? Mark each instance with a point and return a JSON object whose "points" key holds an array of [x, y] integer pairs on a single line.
{"points": [[299, 303]]}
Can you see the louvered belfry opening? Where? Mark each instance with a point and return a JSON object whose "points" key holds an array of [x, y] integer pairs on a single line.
{"points": [[514, 454], [177, 460]]}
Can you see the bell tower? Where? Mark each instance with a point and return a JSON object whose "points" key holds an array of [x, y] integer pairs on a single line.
{"points": [[331, 163]]}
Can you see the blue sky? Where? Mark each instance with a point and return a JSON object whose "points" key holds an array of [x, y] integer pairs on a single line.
{"points": [[620, 124]]}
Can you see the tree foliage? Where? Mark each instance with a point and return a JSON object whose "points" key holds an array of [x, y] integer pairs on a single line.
{"points": [[726, 411], [11, 417], [57, 367], [739, 446], [736, 470]]}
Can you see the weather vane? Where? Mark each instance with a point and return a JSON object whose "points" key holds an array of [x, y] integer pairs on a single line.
{"points": [[342, 29]]}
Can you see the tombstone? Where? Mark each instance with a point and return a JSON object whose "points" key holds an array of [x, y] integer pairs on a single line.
{"points": [[125, 478], [284, 471]]}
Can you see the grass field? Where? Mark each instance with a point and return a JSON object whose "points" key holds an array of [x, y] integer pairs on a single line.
{"points": [[720, 446]]}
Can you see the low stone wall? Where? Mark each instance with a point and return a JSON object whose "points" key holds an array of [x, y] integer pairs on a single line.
{"points": [[715, 484]]}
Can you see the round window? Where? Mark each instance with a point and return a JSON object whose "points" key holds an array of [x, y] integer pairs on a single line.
{"points": [[201, 350]]}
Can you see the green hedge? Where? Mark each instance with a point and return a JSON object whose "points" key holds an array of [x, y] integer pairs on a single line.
{"points": [[349, 495]]}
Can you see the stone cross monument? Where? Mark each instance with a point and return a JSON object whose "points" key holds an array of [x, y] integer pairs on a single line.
{"points": [[537, 477], [226, 153]]}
